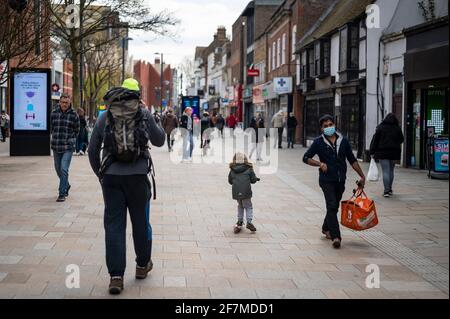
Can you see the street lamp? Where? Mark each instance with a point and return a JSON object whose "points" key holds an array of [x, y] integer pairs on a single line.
{"points": [[124, 44], [162, 78]]}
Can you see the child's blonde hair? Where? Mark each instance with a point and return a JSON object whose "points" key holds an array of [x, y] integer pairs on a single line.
{"points": [[240, 158]]}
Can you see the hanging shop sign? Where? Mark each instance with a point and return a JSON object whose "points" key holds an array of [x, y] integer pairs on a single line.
{"points": [[283, 85]]}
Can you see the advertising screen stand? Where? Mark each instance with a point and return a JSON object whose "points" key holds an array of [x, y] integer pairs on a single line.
{"points": [[30, 112]]}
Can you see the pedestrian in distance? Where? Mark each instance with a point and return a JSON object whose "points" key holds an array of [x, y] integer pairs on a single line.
{"points": [[82, 137], [258, 136], [333, 149], [65, 126], [187, 123], [220, 124], [231, 121], [170, 123], [205, 132], [386, 148], [278, 122], [4, 125], [241, 177], [291, 127], [125, 131]]}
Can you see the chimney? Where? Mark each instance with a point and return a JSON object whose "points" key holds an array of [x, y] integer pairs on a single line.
{"points": [[221, 33]]}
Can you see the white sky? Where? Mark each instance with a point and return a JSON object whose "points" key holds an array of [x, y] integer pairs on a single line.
{"points": [[199, 20]]}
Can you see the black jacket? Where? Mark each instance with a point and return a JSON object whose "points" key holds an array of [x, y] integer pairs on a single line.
{"points": [[292, 122], [184, 121], [241, 176], [387, 141], [334, 157]]}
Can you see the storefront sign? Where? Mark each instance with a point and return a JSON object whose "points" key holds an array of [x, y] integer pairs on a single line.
{"points": [[283, 85], [248, 92], [268, 91], [252, 72]]}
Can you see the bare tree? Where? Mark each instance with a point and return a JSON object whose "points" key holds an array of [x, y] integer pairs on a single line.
{"points": [[113, 18], [22, 36], [103, 66], [187, 68]]}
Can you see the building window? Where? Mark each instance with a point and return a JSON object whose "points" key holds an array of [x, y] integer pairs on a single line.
{"points": [[283, 53], [278, 52], [270, 59], [326, 46], [274, 54], [317, 54], [303, 62], [311, 63], [298, 77], [294, 38], [349, 48]]}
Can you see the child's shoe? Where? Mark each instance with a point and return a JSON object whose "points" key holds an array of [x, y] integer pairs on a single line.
{"points": [[251, 227], [238, 227]]}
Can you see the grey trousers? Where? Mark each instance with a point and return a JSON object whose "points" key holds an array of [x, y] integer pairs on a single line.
{"points": [[245, 204]]}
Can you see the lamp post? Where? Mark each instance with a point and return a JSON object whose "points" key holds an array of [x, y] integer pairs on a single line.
{"points": [[162, 79], [124, 44]]}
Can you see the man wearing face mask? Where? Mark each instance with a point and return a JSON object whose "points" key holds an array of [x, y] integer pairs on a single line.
{"points": [[333, 149]]}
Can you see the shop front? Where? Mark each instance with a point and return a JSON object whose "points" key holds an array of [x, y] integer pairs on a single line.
{"points": [[316, 105], [248, 106], [427, 90], [258, 100], [271, 102]]}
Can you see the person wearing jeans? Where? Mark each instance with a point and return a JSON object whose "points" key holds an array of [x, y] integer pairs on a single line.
{"points": [[65, 126], [125, 186], [386, 147], [333, 150]]}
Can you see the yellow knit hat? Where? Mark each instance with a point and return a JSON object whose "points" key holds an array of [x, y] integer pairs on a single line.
{"points": [[131, 84]]}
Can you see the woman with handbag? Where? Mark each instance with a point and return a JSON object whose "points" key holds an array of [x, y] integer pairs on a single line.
{"points": [[386, 147]]}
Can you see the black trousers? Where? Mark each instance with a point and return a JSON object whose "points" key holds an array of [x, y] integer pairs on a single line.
{"points": [[120, 193], [3, 129], [169, 141], [333, 195], [280, 137]]}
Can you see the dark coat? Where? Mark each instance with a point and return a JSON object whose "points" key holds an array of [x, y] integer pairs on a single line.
{"points": [[170, 123], [220, 122], [241, 176], [387, 141], [259, 135], [292, 122]]}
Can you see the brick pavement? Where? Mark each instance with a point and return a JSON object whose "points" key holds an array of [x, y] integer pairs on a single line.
{"points": [[196, 254]]}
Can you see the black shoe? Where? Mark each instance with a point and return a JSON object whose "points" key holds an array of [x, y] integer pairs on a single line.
{"points": [[67, 191], [238, 227], [251, 227], [391, 192], [116, 285], [337, 243], [61, 198], [387, 195], [142, 272]]}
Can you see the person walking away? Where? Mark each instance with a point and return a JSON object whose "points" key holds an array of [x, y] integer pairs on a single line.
{"points": [[386, 148], [231, 121], [333, 149], [220, 124], [205, 133], [278, 122], [81, 137], [125, 130], [291, 126], [4, 125], [170, 123], [65, 126], [187, 123], [257, 124], [241, 177]]}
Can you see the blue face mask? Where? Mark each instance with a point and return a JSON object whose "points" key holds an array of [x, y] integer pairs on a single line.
{"points": [[329, 131]]}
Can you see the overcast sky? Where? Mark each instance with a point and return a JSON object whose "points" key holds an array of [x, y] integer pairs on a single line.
{"points": [[199, 20]]}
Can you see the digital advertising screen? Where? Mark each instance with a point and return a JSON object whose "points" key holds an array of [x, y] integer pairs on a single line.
{"points": [[30, 101]]}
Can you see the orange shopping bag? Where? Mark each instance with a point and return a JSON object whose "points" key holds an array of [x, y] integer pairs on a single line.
{"points": [[359, 212]]}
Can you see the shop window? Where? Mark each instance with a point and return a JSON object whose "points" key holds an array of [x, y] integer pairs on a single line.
{"points": [[322, 58]]}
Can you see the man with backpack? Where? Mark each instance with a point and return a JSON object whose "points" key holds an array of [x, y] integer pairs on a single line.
{"points": [[125, 130]]}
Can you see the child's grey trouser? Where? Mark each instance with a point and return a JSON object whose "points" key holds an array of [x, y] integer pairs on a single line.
{"points": [[248, 206]]}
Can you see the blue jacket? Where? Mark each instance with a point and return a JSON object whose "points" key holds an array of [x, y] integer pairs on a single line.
{"points": [[333, 157]]}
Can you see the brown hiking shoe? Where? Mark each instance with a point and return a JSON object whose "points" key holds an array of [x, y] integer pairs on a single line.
{"points": [[116, 285], [251, 227], [142, 272]]}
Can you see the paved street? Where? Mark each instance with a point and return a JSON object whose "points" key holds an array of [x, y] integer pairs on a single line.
{"points": [[196, 254]]}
